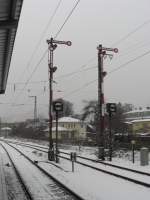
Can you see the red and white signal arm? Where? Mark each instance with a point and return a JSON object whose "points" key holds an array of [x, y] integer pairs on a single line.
{"points": [[115, 50], [69, 43]]}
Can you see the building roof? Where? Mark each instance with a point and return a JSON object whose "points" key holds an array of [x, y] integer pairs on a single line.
{"points": [[138, 110], [6, 129], [67, 119], [128, 123], [9, 16], [140, 120]]}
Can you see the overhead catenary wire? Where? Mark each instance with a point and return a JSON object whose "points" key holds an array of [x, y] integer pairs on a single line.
{"points": [[112, 71], [64, 75], [79, 89], [131, 33], [58, 77], [78, 71], [130, 61], [75, 72], [117, 42], [30, 76], [93, 81], [67, 18], [41, 37], [126, 36], [71, 73], [31, 82], [45, 52]]}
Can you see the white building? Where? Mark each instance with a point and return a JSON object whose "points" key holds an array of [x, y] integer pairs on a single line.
{"points": [[5, 131], [69, 129]]}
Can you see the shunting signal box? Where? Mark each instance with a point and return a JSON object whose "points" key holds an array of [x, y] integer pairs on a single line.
{"points": [[111, 108], [57, 106]]}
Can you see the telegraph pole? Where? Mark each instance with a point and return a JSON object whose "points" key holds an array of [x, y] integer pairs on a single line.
{"points": [[35, 109], [52, 45], [102, 51]]}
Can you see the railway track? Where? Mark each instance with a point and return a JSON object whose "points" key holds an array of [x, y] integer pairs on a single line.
{"points": [[45, 149], [59, 190], [19, 177], [133, 173]]}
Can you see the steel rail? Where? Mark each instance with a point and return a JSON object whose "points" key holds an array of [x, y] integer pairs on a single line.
{"points": [[96, 161], [85, 158], [23, 185], [111, 165], [111, 173], [64, 187]]}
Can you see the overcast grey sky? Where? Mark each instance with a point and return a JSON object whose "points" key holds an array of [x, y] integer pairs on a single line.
{"points": [[93, 22]]}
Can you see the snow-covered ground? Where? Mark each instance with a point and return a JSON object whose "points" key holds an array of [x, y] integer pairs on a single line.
{"points": [[91, 184], [10, 188], [120, 157], [39, 185]]}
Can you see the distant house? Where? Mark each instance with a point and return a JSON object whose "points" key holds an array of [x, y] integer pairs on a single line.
{"points": [[69, 129], [137, 114], [63, 133], [141, 125], [5, 131], [138, 121]]}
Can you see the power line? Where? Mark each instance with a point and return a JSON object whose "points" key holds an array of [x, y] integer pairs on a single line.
{"points": [[41, 37], [61, 76], [67, 18], [35, 68], [127, 35], [93, 81], [77, 90], [43, 56], [116, 69], [37, 46], [133, 48], [75, 72], [130, 61], [131, 33], [31, 82], [119, 41]]}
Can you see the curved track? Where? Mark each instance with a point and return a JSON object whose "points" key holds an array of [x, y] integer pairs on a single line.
{"points": [[23, 185], [144, 174], [68, 194], [45, 150]]}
